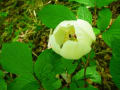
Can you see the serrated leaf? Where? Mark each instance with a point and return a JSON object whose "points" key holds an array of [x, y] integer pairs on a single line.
{"points": [[17, 58], [113, 33], [21, 82], [49, 60], [48, 65], [3, 85], [63, 65], [84, 13], [91, 73], [115, 62], [104, 17], [93, 3], [52, 15], [43, 65], [44, 68]]}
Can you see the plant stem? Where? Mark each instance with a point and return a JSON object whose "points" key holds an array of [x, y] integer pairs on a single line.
{"points": [[85, 69], [38, 81]]}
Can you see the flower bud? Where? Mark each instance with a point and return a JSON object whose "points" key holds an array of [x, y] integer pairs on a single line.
{"points": [[72, 39]]}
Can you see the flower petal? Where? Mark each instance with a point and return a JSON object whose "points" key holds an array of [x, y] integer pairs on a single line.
{"points": [[64, 24], [60, 36], [85, 27], [74, 50], [55, 46], [82, 36]]}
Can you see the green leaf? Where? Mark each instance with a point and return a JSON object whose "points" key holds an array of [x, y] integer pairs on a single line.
{"points": [[43, 65], [85, 14], [44, 69], [21, 82], [101, 3], [79, 86], [1, 74], [65, 88], [63, 65], [89, 88], [16, 58], [34, 85], [3, 14], [104, 17], [52, 15], [77, 83], [115, 62], [94, 75], [3, 85], [85, 2], [93, 3], [90, 73], [92, 54], [96, 31], [113, 33], [51, 84], [48, 65]]}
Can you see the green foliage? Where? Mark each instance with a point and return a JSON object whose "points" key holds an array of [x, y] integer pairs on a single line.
{"points": [[52, 15], [78, 85], [85, 2], [1, 74], [101, 3], [93, 3], [33, 85], [115, 62], [96, 31], [48, 65], [113, 33], [63, 65], [21, 82], [85, 14], [104, 18], [3, 14], [44, 69], [91, 73], [75, 88], [3, 85], [16, 58]]}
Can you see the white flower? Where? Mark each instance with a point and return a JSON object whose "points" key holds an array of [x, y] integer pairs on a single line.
{"points": [[72, 39]]}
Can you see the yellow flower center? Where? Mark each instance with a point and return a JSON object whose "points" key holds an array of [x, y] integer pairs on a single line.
{"points": [[70, 35]]}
